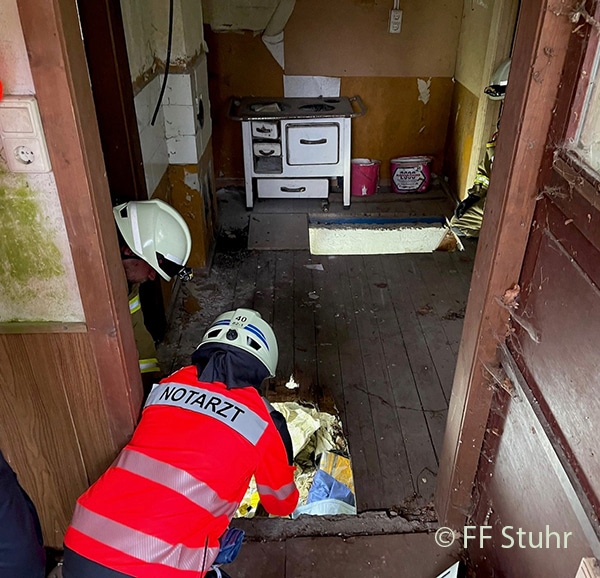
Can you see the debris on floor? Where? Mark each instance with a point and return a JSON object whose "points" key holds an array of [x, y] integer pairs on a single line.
{"points": [[292, 383], [332, 488], [323, 467]]}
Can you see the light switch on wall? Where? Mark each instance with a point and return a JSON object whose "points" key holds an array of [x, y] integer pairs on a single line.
{"points": [[22, 136]]}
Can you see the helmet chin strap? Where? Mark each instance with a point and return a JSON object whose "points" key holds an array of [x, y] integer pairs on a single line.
{"points": [[186, 274]]}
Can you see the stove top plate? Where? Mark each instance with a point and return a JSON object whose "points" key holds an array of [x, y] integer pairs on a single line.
{"points": [[266, 108]]}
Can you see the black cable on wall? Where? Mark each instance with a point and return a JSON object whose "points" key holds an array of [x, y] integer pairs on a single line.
{"points": [[167, 63]]}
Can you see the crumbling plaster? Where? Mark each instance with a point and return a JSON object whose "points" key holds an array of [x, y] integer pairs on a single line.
{"points": [[38, 283], [146, 24]]}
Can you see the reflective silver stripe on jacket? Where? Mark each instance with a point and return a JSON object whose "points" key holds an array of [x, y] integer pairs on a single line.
{"points": [[140, 545], [134, 304], [234, 414], [268, 405], [176, 479], [280, 494], [149, 365]]}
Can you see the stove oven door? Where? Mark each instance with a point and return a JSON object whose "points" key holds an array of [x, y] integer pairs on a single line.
{"points": [[312, 143]]}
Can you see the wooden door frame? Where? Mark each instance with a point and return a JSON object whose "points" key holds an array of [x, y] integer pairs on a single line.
{"points": [[112, 90], [543, 33], [108, 64], [60, 74]]}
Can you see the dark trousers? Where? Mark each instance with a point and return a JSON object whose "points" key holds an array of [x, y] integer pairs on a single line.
{"points": [[77, 566], [22, 554]]}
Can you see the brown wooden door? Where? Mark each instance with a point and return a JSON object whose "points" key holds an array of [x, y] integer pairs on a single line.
{"points": [[520, 443], [539, 468], [555, 320]]}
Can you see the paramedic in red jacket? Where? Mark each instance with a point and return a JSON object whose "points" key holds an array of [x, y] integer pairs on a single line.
{"points": [[160, 509]]}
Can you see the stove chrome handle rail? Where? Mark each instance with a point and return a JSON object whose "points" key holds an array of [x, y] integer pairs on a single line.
{"points": [[359, 103]]}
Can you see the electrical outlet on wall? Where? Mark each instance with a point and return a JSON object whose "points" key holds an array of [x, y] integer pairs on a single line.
{"points": [[395, 23], [22, 135]]}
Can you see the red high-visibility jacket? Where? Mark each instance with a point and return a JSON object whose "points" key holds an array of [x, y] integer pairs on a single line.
{"points": [[159, 510]]}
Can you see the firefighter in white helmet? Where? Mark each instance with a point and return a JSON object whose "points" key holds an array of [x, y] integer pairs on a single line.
{"points": [[154, 238], [468, 215]]}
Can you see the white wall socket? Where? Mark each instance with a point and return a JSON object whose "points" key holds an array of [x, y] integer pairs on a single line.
{"points": [[395, 24], [22, 135]]}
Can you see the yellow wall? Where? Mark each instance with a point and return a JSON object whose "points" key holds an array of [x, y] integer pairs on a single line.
{"points": [[485, 40], [459, 144], [196, 205], [472, 46], [470, 63]]}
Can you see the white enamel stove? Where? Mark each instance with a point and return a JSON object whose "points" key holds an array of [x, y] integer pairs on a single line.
{"points": [[293, 147]]}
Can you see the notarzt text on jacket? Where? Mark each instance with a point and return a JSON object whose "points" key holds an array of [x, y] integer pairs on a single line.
{"points": [[198, 398]]}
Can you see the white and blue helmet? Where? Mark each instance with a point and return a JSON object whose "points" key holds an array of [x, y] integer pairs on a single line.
{"points": [[246, 329]]}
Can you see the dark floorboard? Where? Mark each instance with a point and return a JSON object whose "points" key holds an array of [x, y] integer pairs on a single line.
{"points": [[375, 337]]}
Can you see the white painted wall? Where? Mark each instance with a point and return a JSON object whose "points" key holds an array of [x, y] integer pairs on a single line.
{"points": [[146, 32], [188, 30], [180, 128], [176, 137], [146, 24], [200, 93], [15, 73], [155, 154], [37, 279]]}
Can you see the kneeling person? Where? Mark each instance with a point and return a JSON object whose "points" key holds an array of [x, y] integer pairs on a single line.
{"points": [[162, 506]]}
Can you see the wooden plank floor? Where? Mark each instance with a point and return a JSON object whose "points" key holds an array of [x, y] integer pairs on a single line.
{"points": [[375, 337]]}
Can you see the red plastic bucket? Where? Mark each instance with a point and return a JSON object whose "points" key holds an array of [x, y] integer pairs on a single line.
{"points": [[410, 174], [364, 177]]}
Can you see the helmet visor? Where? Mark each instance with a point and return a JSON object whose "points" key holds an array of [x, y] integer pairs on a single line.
{"points": [[173, 269]]}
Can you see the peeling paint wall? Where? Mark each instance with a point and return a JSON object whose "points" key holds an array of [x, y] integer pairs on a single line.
{"points": [[37, 278], [190, 189], [146, 24], [460, 138], [235, 15], [146, 31], [405, 80], [351, 38], [192, 31], [176, 150]]}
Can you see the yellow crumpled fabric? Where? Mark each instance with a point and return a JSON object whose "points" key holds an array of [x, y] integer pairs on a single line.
{"points": [[311, 431]]}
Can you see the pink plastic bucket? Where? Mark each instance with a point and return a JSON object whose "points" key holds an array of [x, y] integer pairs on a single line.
{"points": [[364, 177], [410, 174]]}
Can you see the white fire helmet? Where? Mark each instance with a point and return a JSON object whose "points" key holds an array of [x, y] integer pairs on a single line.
{"points": [[499, 81], [246, 329], [156, 233]]}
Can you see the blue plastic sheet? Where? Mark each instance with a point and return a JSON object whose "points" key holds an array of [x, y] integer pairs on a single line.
{"points": [[326, 487]]}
